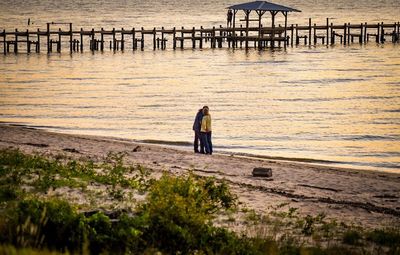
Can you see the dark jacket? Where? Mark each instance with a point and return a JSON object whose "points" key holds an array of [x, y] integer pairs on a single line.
{"points": [[197, 120]]}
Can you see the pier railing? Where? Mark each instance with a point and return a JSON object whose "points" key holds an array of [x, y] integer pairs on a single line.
{"points": [[215, 37]]}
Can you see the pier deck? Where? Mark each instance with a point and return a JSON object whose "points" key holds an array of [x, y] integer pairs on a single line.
{"points": [[215, 37]]}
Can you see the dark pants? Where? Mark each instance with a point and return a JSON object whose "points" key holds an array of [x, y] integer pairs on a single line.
{"points": [[197, 138], [206, 138]]}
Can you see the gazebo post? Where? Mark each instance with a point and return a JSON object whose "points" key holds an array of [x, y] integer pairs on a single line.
{"points": [[285, 14], [259, 22], [273, 13], [233, 29], [247, 27], [260, 14]]}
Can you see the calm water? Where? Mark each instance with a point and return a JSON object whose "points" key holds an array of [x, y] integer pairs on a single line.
{"points": [[330, 103]]}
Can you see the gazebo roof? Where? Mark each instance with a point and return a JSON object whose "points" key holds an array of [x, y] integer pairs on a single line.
{"points": [[262, 6]]}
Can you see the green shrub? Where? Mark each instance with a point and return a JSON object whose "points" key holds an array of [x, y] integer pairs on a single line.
{"points": [[99, 233], [179, 210], [12, 250], [10, 193], [352, 237], [53, 224], [387, 237]]}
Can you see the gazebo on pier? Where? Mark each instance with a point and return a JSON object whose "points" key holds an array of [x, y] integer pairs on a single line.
{"points": [[261, 7]]}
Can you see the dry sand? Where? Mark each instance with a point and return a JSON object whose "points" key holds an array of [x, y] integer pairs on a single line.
{"points": [[370, 198]]}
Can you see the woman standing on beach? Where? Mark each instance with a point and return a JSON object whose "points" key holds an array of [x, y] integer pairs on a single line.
{"points": [[197, 135], [206, 130]]}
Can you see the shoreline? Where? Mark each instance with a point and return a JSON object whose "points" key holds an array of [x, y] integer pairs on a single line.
{"points": [[368, 198], [187, 147]]}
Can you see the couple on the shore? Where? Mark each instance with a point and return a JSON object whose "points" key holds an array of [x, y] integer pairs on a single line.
{"points": [[202, 131]]}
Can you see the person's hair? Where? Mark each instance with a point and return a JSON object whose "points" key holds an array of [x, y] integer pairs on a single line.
{"points": [[205, 107]]}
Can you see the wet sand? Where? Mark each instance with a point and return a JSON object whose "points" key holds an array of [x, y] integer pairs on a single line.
{"points": [[369, 198]]}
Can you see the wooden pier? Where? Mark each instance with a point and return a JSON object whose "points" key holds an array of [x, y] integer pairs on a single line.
{"points": [[178, 38]]}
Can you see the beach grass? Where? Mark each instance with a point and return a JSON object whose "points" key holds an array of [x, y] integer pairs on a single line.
{"points": [[55, 204]]}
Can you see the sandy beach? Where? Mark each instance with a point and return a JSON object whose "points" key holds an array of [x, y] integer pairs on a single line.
{"points": [[370, 198]]}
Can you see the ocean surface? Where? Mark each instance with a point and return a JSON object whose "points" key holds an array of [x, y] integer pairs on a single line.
{"points": [[337, 103]]}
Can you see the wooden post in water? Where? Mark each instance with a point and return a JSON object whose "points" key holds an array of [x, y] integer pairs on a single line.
{"points": [[114, 45], [154, 38], [59, 41], [142, 40], [4, 42], [279, 43], [332, 35], [315, 34], [162, 39], [16, 41], [122, 39], [220, 40], [345, 33], [70, 37], [38, 41], [291, 35], [361, 33], [213, 44], [365, 32], [327, 31], [92, 41], [182, 39], [378, 33], [193, 38], [102, 39], [398, 31], [81, 38], [348, 33], [309, 31], [201, 38], [133, 39], [174, 38], [48, 37], [28, 43]]}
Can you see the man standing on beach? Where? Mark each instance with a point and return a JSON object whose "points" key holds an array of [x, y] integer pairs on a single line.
{"points": [[196, 128], [205, 131]]}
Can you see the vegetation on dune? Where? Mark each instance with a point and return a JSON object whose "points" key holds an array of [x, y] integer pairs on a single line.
{"points": [[176, 216]]}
